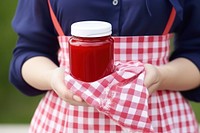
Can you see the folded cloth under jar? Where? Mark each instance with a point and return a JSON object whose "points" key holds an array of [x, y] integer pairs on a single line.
{"points": [[121, 95]]}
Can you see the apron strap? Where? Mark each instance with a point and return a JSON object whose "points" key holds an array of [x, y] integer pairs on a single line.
{"points": [[55, 21], [61, 33], [170, 21]]}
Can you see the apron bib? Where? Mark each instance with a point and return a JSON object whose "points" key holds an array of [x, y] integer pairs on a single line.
{"points": [[163, 111]]}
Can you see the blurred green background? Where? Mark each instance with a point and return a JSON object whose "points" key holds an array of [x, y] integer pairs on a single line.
{"points": [[14, 106]]}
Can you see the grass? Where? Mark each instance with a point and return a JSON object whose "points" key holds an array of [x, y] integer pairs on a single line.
{"points": [[196, 108], [17, 108]]}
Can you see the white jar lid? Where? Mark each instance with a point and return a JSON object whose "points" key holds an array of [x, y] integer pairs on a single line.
{"points": [[91, 29]]}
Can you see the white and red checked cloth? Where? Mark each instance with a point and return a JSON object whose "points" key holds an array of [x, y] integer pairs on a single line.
{"points": [[121, 95], [117, 106]]}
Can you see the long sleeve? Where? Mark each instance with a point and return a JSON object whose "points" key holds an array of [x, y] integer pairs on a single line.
{"points": [[187, 41], [36, 34]]}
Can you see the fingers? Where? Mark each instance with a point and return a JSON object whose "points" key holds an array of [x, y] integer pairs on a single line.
{"points": [[151, 80], [58, 85], [149, 75], [77, 98], [152, 88]]}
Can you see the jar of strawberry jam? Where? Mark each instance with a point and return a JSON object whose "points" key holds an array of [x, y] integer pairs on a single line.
{"points": [[91, 50]]}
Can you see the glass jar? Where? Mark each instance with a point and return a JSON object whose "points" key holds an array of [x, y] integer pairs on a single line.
{"points": [[91, 50]]}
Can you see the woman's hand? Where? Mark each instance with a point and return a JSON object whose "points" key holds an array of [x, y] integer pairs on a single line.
{"points": [[42, 74], [153, 78], [178, 75], [58, 85]]}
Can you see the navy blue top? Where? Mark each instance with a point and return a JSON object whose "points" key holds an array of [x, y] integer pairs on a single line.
{"points": [[37, 35]]}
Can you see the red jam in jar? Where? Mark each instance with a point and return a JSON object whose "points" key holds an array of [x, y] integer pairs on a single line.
{"points": [[91, 50]]}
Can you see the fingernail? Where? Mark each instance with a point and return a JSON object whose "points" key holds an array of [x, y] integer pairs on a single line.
{"points": [[77, 98]]}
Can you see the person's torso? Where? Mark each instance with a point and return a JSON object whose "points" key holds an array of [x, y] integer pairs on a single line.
{"points": [[128, 17]]}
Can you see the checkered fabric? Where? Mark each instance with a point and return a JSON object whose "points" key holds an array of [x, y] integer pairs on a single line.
{"points": [[119, 102], [121, 96]]}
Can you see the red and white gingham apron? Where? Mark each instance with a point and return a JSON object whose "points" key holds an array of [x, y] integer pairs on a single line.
{"points": [[119, 102]]}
